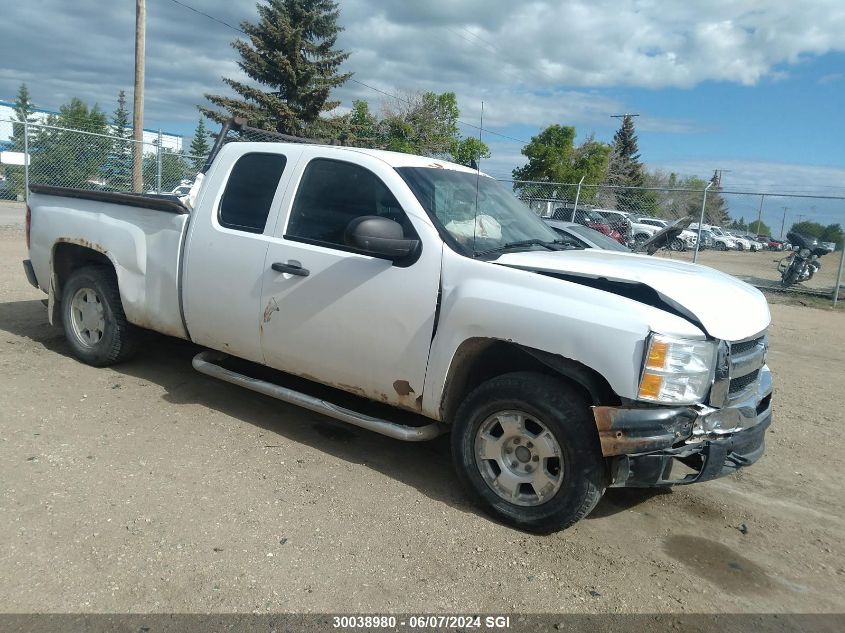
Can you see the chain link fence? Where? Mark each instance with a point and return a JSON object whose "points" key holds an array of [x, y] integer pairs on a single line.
{"points": [[40, 154]]}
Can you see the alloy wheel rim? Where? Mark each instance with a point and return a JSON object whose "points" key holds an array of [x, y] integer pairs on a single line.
{"points": [[87, 316], [519, 458]]}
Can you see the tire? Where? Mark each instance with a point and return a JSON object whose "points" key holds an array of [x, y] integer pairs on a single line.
{"points": [[721, 246], [677, 245], [93, 319], [556, 418], [790, 276]]}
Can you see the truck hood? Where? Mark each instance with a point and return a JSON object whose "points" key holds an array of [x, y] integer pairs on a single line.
{"points": [[725, 307]]}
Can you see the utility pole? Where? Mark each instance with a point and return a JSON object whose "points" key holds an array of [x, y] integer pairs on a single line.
{"points": [[623, 116], [760, 214], [717, 176], [783, 221], [138, 97]]}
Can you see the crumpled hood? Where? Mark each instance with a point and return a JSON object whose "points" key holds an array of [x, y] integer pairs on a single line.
{"points": [[726, 307]]}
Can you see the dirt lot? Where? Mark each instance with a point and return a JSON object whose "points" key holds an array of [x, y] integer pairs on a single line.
{"points": [[151, 488]]}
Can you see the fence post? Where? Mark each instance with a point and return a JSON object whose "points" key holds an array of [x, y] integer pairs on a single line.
{"points": [[25, 160], [577, 196], [839, 276], [158, 164], [701, 221]]}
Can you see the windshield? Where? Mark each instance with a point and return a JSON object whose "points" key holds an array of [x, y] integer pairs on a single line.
{"points": [[599, 239], [500, 219]]}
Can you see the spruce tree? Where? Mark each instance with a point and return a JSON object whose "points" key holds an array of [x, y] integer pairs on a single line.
{"points": [[291, 58], [118, 169], [199, 145], [23, 113], [626, 170]]}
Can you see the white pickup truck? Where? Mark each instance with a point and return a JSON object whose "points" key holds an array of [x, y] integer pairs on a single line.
{"points": [[430, 300]]}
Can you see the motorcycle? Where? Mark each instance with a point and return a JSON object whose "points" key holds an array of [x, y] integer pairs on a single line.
{"points": [[804, 261]]}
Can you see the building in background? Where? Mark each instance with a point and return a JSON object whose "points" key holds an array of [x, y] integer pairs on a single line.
{"points": [[170, 142]]}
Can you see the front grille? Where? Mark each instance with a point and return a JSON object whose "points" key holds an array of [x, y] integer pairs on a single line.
{"points": [[738, 384], [738, 348]]}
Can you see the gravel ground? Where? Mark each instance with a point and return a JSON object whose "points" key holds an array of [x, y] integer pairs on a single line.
{"points": [[148, 487]]}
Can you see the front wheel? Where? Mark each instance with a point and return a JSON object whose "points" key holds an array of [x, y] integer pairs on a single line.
{"points": [[92, 316], [527, 448], [677, 245]]}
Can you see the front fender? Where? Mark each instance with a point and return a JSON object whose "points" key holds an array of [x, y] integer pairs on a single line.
{"points": [[598, 329]]}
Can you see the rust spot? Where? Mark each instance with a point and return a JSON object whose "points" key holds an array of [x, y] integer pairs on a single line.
{"points": [[352, 389], [624, 431], [272, 307], [84, 243], [403, 387]]}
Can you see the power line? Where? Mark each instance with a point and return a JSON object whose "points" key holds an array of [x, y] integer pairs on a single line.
{"points": [[210, 17], [357, 81]]}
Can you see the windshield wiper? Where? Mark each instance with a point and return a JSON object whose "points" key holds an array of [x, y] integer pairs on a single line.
{"points": [[535, 242]]}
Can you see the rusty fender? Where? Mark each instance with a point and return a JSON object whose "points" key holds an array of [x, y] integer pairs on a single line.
{"points": [[629, 430]]}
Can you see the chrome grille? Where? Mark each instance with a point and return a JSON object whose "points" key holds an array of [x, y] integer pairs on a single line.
{"points": [[744, 346], [738, 384], [738, 370]]}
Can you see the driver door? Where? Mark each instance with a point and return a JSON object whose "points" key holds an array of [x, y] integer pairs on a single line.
{"points": [[357, 322]]}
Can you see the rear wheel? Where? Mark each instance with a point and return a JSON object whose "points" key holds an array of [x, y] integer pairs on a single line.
{"points": [[527, 448], [721, 246], [92, 316]]}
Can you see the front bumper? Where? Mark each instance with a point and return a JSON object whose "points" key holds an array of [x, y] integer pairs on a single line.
{"points": [[644, 444]]}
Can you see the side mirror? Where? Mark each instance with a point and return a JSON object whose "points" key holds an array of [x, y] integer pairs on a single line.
{"points": [[380, 237]]}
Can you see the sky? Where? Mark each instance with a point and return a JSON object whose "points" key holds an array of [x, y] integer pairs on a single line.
{"points": [[751, 87]]}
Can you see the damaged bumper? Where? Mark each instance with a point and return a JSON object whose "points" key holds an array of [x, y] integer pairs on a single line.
{"points": [[645, 444]]}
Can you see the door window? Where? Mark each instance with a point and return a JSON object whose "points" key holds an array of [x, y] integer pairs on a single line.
{"points": [[332, 194], [249, 192]]}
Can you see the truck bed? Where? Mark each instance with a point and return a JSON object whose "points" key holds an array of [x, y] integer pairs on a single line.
{"points": [[140, 236]]}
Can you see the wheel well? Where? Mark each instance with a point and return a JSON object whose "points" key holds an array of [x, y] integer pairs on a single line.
{"points": [[480, 359], [67, 257]]}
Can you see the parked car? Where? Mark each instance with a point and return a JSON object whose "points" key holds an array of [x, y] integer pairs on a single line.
{"points": [[589, 218], [771, 243], [580, 236], [744, 242], [422, 298], [620, 223], [707, 240], [721, 241]]}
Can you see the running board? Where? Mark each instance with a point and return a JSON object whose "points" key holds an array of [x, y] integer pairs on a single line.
{"points": [[206, 363]]}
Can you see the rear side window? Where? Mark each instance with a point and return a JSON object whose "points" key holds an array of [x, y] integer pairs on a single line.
{"points": [[249, 192], [332, 194]]}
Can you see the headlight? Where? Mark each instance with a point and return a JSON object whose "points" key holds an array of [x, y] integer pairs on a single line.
{"points": [[676, 371], [804, 252]]}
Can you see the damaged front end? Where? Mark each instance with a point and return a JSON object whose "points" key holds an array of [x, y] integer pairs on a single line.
{"points": [[646, 444]]}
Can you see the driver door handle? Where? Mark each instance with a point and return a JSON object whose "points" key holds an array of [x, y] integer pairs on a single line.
{"points": [[292, 268]]}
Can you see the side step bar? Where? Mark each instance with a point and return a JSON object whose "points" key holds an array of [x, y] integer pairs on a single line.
{"points": [[205, 362]]}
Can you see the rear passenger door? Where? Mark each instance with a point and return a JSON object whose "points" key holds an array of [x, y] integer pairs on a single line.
{"points": [[353, 321], [227, 245]]}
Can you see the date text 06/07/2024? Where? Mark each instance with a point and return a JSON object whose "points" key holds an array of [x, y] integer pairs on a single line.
{"points": [[422, 621]]}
